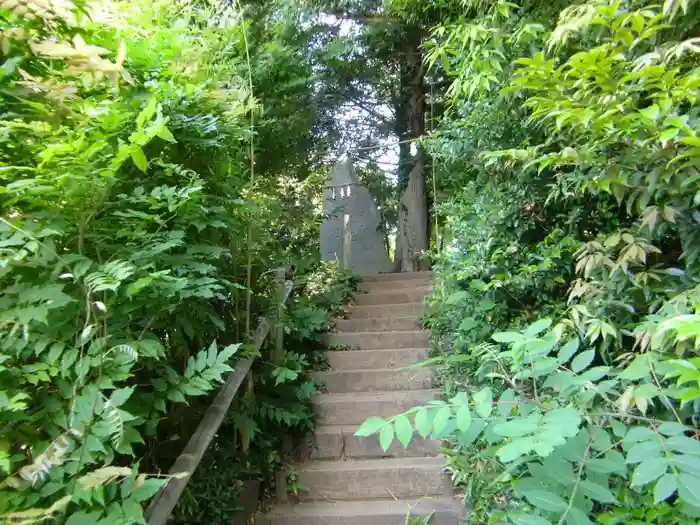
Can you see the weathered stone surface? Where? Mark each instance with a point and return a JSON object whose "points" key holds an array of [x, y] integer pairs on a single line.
{"points": [[371, 359], [392, 297], [354, 408], [345, 196], [378, 324], [401, 276], [379, 340], [393, 310], [382, 379], [358, 479], [402, 284], [338, 442], [351, 480], [444, 511]]}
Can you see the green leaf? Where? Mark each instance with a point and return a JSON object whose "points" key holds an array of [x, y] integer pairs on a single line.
{"points": [[508, 337], [546, 500], [638, 369], [467, 324], [371, 426], [386, 436], [691, 141], [517, 427], [567, 351], [506, 402], [441, 419], [596, 491], [424, 421], [147, 489], [582, 361], [689, 489], [637, 435], [83, 518], [212, 353], [483, 402], [464, 418], [650, 113], [404, 430], [672, 428], [643, 451], [165, 134], [664, 488], [120, 396], [648, 471], [139, 158], [133, 510], [522, 518], [577, 517], [687, 463], [684, 444], [515, 449], [612, 462], [537, 327], [201, 361]]}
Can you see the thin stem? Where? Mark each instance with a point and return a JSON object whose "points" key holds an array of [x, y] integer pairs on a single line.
{"points": [[668, 401], [578, 482], [249, 264]]}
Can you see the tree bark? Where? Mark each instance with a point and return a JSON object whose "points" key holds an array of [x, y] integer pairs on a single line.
{"points": [[413, 235]]}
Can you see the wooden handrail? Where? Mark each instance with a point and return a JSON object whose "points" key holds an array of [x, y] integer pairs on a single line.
{"points": [[163, 503]]}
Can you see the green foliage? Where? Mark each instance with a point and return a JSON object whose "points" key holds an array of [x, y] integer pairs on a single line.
{"points": [[126, 198], [273, 413], [565, 315]]}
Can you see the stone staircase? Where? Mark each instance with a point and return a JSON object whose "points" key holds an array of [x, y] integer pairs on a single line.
{"points": [[351, 480]]}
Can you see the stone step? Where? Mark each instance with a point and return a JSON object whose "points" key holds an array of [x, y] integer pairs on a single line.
{"points": [[373, 359], [403, 276], [354, 408], [444, 511], [339, 442], [382, 379], [415, 295], [384, 286], [378, 340], [355, 479], [386, 310], [379, 324]]}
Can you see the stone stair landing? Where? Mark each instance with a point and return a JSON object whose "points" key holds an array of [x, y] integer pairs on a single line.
{"points": [[351, 480]]}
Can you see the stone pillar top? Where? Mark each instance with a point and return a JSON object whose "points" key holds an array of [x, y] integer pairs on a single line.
{"points": [[342, 174]]}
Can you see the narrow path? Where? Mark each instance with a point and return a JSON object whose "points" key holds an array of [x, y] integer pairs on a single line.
{"points": [[351, 480]]}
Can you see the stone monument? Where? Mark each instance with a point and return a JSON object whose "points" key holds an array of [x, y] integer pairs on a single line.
{"points": [[352, 232]]}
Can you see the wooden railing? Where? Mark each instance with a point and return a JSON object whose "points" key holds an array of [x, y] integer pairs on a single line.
{"points": [[162, 505]]}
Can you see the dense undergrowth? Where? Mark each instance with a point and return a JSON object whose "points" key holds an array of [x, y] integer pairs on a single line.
{"points": [[131, 230], [265, 425], [565, 315]]}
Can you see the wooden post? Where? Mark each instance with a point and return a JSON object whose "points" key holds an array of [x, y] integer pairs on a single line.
{"points": [[278, 352], [347, 242]]}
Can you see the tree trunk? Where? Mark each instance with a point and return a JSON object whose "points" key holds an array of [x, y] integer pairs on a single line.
{"points": [[413, 235]]}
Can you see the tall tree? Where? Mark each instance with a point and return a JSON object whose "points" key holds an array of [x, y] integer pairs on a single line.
{"points": [[380, 77]]}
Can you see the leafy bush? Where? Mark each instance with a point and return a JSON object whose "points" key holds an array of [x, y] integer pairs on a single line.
{"points": [[126, 198], [274, 414], [565, 316]]}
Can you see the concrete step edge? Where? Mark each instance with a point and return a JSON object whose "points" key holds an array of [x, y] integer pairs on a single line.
{"points": [[360, 508], [387, 332], [376, 371], [346, 465], [358, 397], [398, 276]]}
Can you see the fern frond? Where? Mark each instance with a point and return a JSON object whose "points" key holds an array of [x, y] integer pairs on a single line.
{"points": [[53, 456], [127, 350], [116, 425]]}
